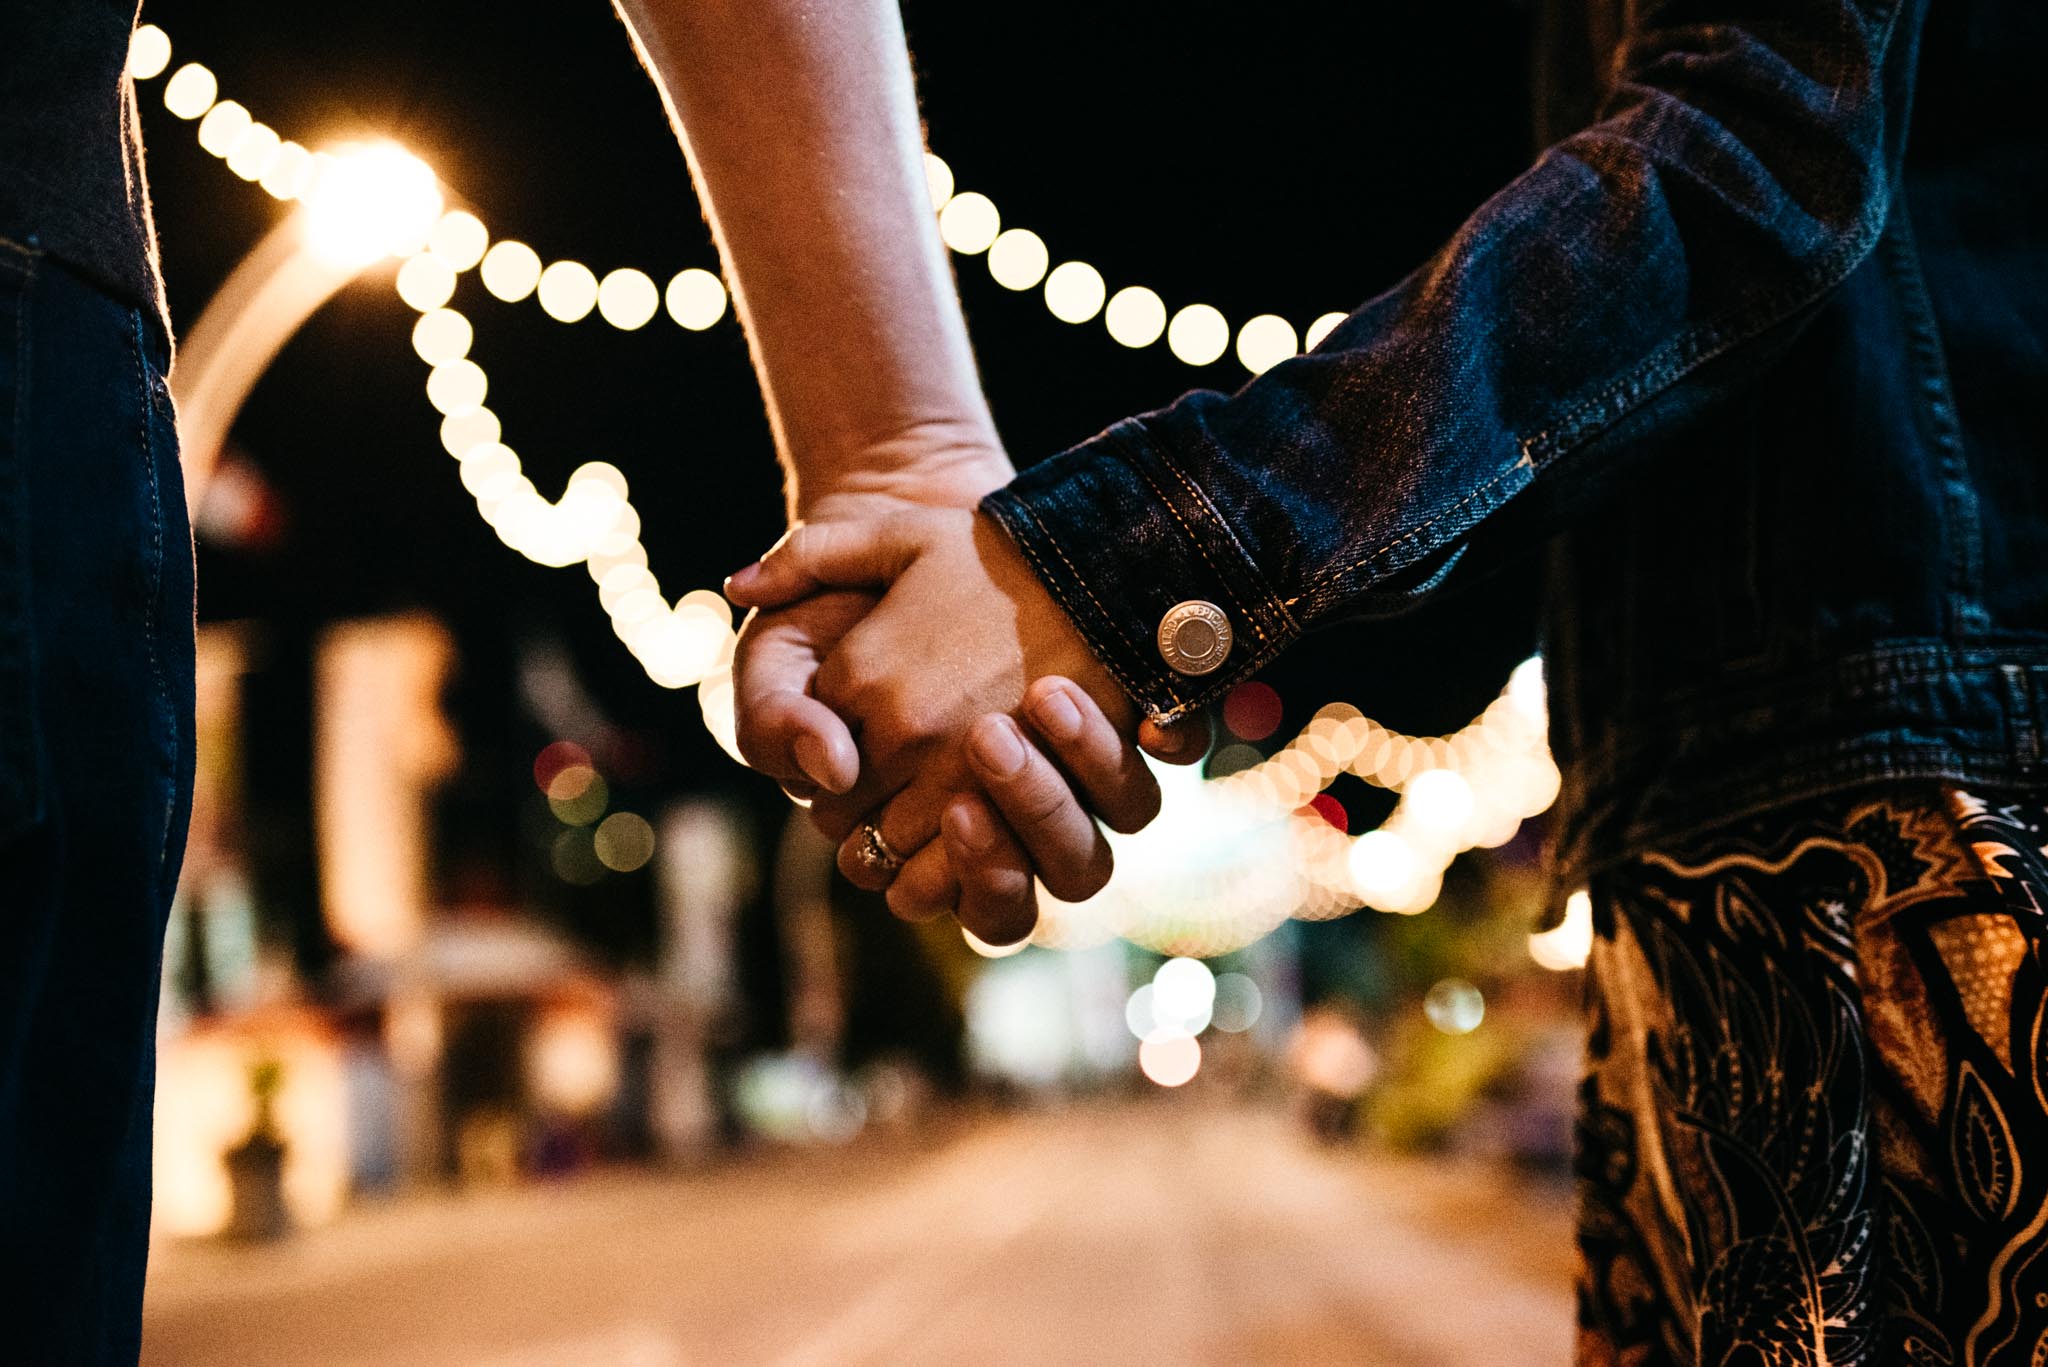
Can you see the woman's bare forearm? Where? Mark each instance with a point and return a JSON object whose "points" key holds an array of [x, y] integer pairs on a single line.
{"points": [[799, 119]]}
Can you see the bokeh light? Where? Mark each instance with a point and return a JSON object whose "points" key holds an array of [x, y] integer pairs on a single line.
{"points": [[223, 125], [969, 223], [1252, 710], [149, 52], [1017, 259], [1265, 341], [1074, 291], [442, 335], [695, 299], [626, 299], [1169, 1057], [1198, 334], [567, 291], [459, 238], [510, 271], [624, 842], [938, 179], [372, 200], [1319, 329], [1566, 945], [191, 90], [426, 282], [1135, 316], [1454, 1006], [1239, 1003]]}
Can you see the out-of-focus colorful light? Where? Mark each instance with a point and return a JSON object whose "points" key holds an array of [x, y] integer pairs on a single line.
{"points": [[426, 282], [1074, 292], [510, 271], [624, 842], [1454, 1006], [1252, 710], [695, 299], [191, 90], [1198, 334], [460, 239], [440, 336], [1017, 258], [1319, 329], [222, 126], [573, 1061], [567, 291], [1169, 1058], [369, 201], [1183, 995], [556, 757], [1265, 341], [149, 52], [626, 299], [938, 179], [1135, 316], [969, 223], [1567, 944], [1239, 1003]]}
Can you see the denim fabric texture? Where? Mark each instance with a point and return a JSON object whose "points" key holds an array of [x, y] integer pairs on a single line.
{"points": [[96, 763], [1749, 364]]}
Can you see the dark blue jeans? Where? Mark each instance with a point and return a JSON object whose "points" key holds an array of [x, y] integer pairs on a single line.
{"points": [[96, 761]]}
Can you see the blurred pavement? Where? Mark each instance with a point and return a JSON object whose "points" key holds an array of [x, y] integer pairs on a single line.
{"points": [[1174, 1231]]}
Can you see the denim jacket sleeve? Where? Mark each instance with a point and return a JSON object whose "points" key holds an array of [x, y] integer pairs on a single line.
{"points": [[1742, 166]]}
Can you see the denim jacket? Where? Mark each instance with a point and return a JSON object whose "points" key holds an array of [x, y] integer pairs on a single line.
{"points": [[1750, 363]]}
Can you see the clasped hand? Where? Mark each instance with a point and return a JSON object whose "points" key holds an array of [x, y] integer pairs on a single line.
{"points": [[906, 672]]}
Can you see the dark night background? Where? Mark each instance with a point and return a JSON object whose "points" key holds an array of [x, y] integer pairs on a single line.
{"points": [[1285, 157]]}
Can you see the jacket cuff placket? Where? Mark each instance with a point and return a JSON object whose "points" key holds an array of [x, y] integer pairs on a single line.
{"points": [[1121, 537]]}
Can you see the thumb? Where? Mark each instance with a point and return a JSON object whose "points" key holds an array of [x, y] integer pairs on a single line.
{"points": [[815, 555], [1185, 741]]}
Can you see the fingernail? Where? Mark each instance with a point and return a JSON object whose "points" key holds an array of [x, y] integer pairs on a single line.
{"points": [[970, 826], [740, 579], [812, 758], [1057, 716], [997, 747]]}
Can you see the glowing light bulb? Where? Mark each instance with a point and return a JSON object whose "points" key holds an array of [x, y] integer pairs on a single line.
{"points": [[440, 336], [149, 52], [510, 271], [626, 299], [1265, 341], [1198, 334], [1017, 259], [1135, 316], [191, 90], [695, 299], [1074, 292], [969, 223], [1320, 329], [938, 178], [426, 282], [459, 238], [223, 125], [568, 291], [371, 201]]}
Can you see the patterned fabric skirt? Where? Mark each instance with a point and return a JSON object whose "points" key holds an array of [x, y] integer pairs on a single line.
{"points": [[1814, 1126]]}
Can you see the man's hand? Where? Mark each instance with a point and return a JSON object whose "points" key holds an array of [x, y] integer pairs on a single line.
{"points": [[962, 626]]}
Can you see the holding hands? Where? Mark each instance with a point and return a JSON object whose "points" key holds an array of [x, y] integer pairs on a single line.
{"points": [[905, 671]]}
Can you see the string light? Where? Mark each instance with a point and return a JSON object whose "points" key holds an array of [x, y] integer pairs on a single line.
{"points": [[1232, 856]]}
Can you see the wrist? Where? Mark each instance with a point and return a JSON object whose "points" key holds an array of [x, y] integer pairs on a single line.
{"points": [[949, 465]]}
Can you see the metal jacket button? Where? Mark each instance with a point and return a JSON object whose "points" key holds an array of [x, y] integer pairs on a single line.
{"points": [[1194, 637]]}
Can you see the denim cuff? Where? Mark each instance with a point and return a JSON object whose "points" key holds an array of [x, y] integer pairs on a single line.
{"points": [[1121, 536]]}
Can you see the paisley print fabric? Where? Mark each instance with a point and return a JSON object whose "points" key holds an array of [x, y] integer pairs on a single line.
{"points": [[1814, 1124]]}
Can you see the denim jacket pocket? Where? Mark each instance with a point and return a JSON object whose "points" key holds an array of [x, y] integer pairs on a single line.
{"points": [[20, 778]]}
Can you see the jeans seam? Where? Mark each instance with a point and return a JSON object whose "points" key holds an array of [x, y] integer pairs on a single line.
{"points": [[150, 614]]}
